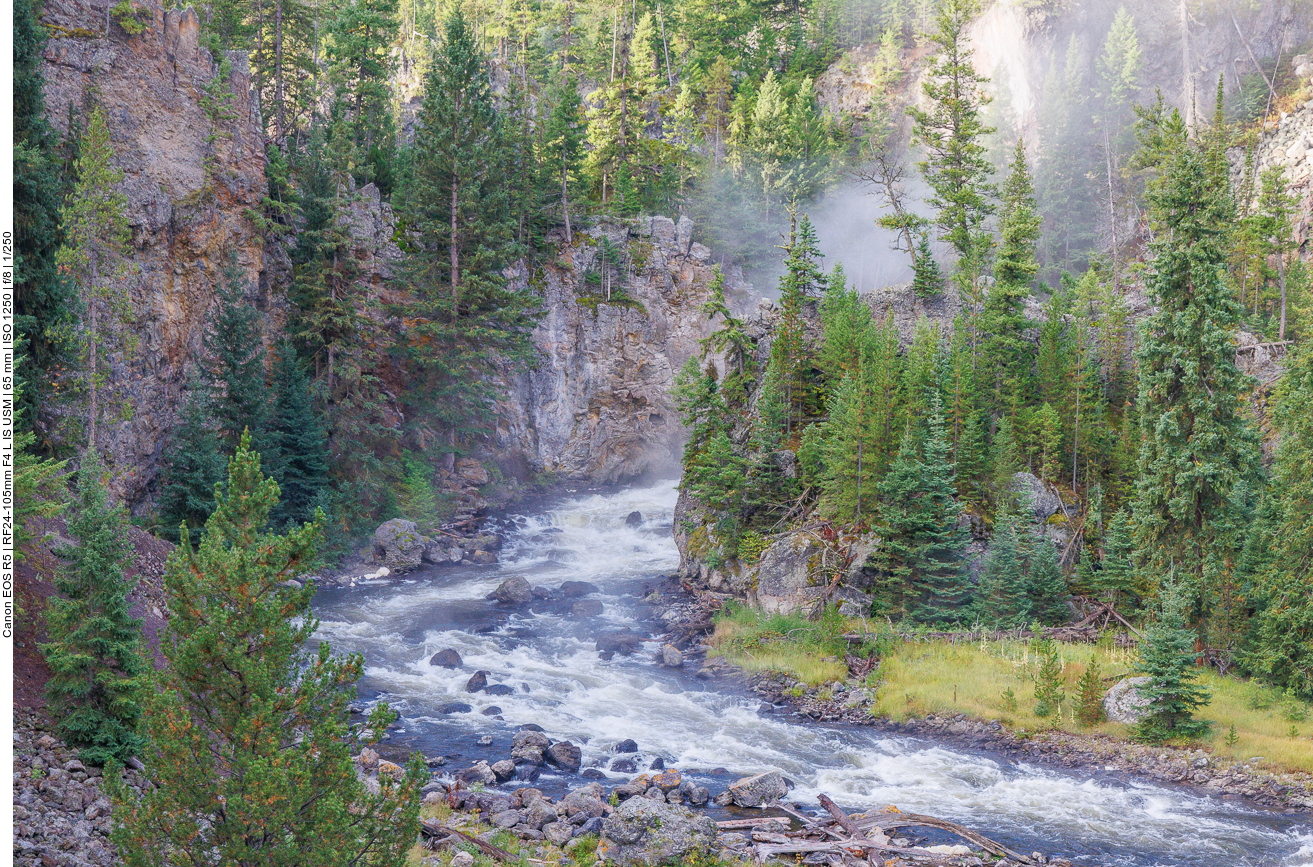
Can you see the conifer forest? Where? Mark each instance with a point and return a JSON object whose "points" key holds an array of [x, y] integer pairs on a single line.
{"points": [[1005, 306]]}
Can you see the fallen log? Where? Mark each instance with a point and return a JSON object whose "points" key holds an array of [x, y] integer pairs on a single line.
{"points": [[435, 833], [742, 824], [762, 851], [886, 821]]}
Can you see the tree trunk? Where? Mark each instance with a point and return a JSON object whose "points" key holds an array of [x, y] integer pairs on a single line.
{"points": [[278, 70]]}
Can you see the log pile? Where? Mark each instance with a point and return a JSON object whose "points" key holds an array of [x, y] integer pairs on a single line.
{"points": [[1095, 618], [861, 839]]}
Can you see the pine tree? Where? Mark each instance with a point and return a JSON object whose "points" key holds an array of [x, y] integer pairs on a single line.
{"points": [[1198, 440], [94, 653], [41, 299], [1167, 657], [296, 442], [39, 489], [951, 132], [845, 318], [1280, 646], [1001, 597], [1046, 588], [730, 339], [234, 350], [1089, 695], [919, 562], [248, 751], [195, 467], [927, 279], [1006, 352], [802, 280], [1116, 577], [360, 63], [1119, 79], [461, 236], [95, 255], [563, 144]]}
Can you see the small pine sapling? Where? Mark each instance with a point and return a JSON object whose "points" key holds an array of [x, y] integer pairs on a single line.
{"points": [[1231, 737], [1090, 696], [1048, 680]]}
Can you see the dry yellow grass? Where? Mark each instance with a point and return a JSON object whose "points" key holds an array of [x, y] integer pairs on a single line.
{"points": [[755, 642], [918, 678]]}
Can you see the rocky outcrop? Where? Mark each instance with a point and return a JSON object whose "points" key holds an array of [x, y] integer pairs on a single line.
{"points": [[597, 403], [644, 832], [192, 178], [1123, 702]]}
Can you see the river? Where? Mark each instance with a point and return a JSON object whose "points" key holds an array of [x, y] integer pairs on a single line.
{"points": [[711, 730]]}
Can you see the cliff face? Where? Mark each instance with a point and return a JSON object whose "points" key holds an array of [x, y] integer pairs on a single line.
{"points": [[190, 177], [597, 404]]}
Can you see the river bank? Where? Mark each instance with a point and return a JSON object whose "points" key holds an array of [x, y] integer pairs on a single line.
{"points": [[850, 699]]}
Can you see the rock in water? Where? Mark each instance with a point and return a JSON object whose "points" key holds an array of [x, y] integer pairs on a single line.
{"points": [[633, 519], [671, 657], [565, 756], [446, 659], [586, 608], [575, 589], [479, 772], [1123, 702], [628, 745], [499, 689], [514, 591], [758, 790], [398, 545], [644, 832], [504, 770], [528, 747], [477, 681], [624, 643]]}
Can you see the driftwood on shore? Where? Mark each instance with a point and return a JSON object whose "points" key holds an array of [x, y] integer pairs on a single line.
{"points": [[854, 839], [1095, 617], [436, 833]]}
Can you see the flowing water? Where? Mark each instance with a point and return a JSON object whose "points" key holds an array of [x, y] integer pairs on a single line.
{"points": [[711, 730]]}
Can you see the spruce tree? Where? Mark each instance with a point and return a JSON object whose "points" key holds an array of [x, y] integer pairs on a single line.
{"points": [[1046, 588], [1198, 440], [296, 442], [41, 299], [94, 653], [1116, 576], [248, 744], [1006, 353], [360, 63], [1167, 657], [1280, 645], [563, 144], [927, 279], [951, 132], [919, 564], [1001, 597], [790, 354], [234, 350], [95, 255], [195, 467], [460, 237]]}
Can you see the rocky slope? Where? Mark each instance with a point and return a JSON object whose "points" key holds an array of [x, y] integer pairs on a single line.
{"points": [[191, 178]]}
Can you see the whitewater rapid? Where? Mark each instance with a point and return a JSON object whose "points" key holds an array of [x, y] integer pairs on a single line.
{"points": [[714, 732]]}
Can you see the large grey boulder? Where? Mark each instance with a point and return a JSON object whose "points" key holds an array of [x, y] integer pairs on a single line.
{"points": [[758, 790], [647, 833], [398, 545], [514, 591], [565, 756], [1124, 703], [1041, 499]]}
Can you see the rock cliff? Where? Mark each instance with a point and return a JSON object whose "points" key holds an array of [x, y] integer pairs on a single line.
{"points": [[597, 403], [192, 176]]}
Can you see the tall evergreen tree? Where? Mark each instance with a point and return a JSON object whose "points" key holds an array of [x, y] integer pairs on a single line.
{"points": [[1167, 657], [1006, 352], [234, 349], [95, 255], [195, 467], [1198, 440], [802, 281], [951, 131], [96, 665], [460, 237], [42, 299], [361, 37], [248, 745], [296, 442], [1280, 645], [563, 144], [919, 561]]}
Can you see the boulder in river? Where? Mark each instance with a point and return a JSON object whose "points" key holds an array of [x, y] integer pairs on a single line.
{"points": [[565, 756], [499, 689], [624, 766], [483, 558], [454, 707], [528, 747], [633, 519], [644, 832], [575, 589], [758, 790], [628, 745], [477, 681], [667, 781], [442, 554], [1123, 703], [624, 643], [671, 657], [504, 770], [446, 659], [586, 608], [398, 545], [513, 591]]}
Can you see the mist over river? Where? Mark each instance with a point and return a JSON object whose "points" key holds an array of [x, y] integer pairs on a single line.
{"points": [[711, 730]]}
